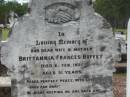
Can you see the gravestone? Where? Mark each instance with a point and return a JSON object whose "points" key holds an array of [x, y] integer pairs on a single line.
{"points": [[62, 49]]}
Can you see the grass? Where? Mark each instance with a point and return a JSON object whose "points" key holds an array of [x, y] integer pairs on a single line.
{"points": [[120, 74], [5, 34], [120, 30]]}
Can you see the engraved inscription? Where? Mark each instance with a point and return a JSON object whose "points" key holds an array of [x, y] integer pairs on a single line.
{"points": [[59, 13]]}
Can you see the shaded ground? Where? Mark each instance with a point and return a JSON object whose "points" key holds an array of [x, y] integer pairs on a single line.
{"points": [[5, 92]]}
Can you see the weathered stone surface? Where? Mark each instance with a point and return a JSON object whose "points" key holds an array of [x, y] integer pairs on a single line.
{"points": [[61, 50], [3, 70]]}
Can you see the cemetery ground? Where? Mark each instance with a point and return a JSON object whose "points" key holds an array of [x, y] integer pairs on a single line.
{"points": [[115, 30], [120, 30], [119, 83], [119, 80]]}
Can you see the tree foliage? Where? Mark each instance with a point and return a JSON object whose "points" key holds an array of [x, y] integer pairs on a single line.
{"points": [[115, 11], [7, 7]]}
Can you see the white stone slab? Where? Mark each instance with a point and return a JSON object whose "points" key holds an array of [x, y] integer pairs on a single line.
{"points": [[5, 82]]}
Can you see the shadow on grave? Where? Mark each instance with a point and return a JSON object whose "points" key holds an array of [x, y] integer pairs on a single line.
{"points": [[4, 91]]}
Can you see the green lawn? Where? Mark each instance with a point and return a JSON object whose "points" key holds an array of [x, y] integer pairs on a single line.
{"points": [[120, 74], [121, 30], [5, 33]]}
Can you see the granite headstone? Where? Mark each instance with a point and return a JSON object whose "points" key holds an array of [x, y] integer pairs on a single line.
{"points": [[62, 49]]}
